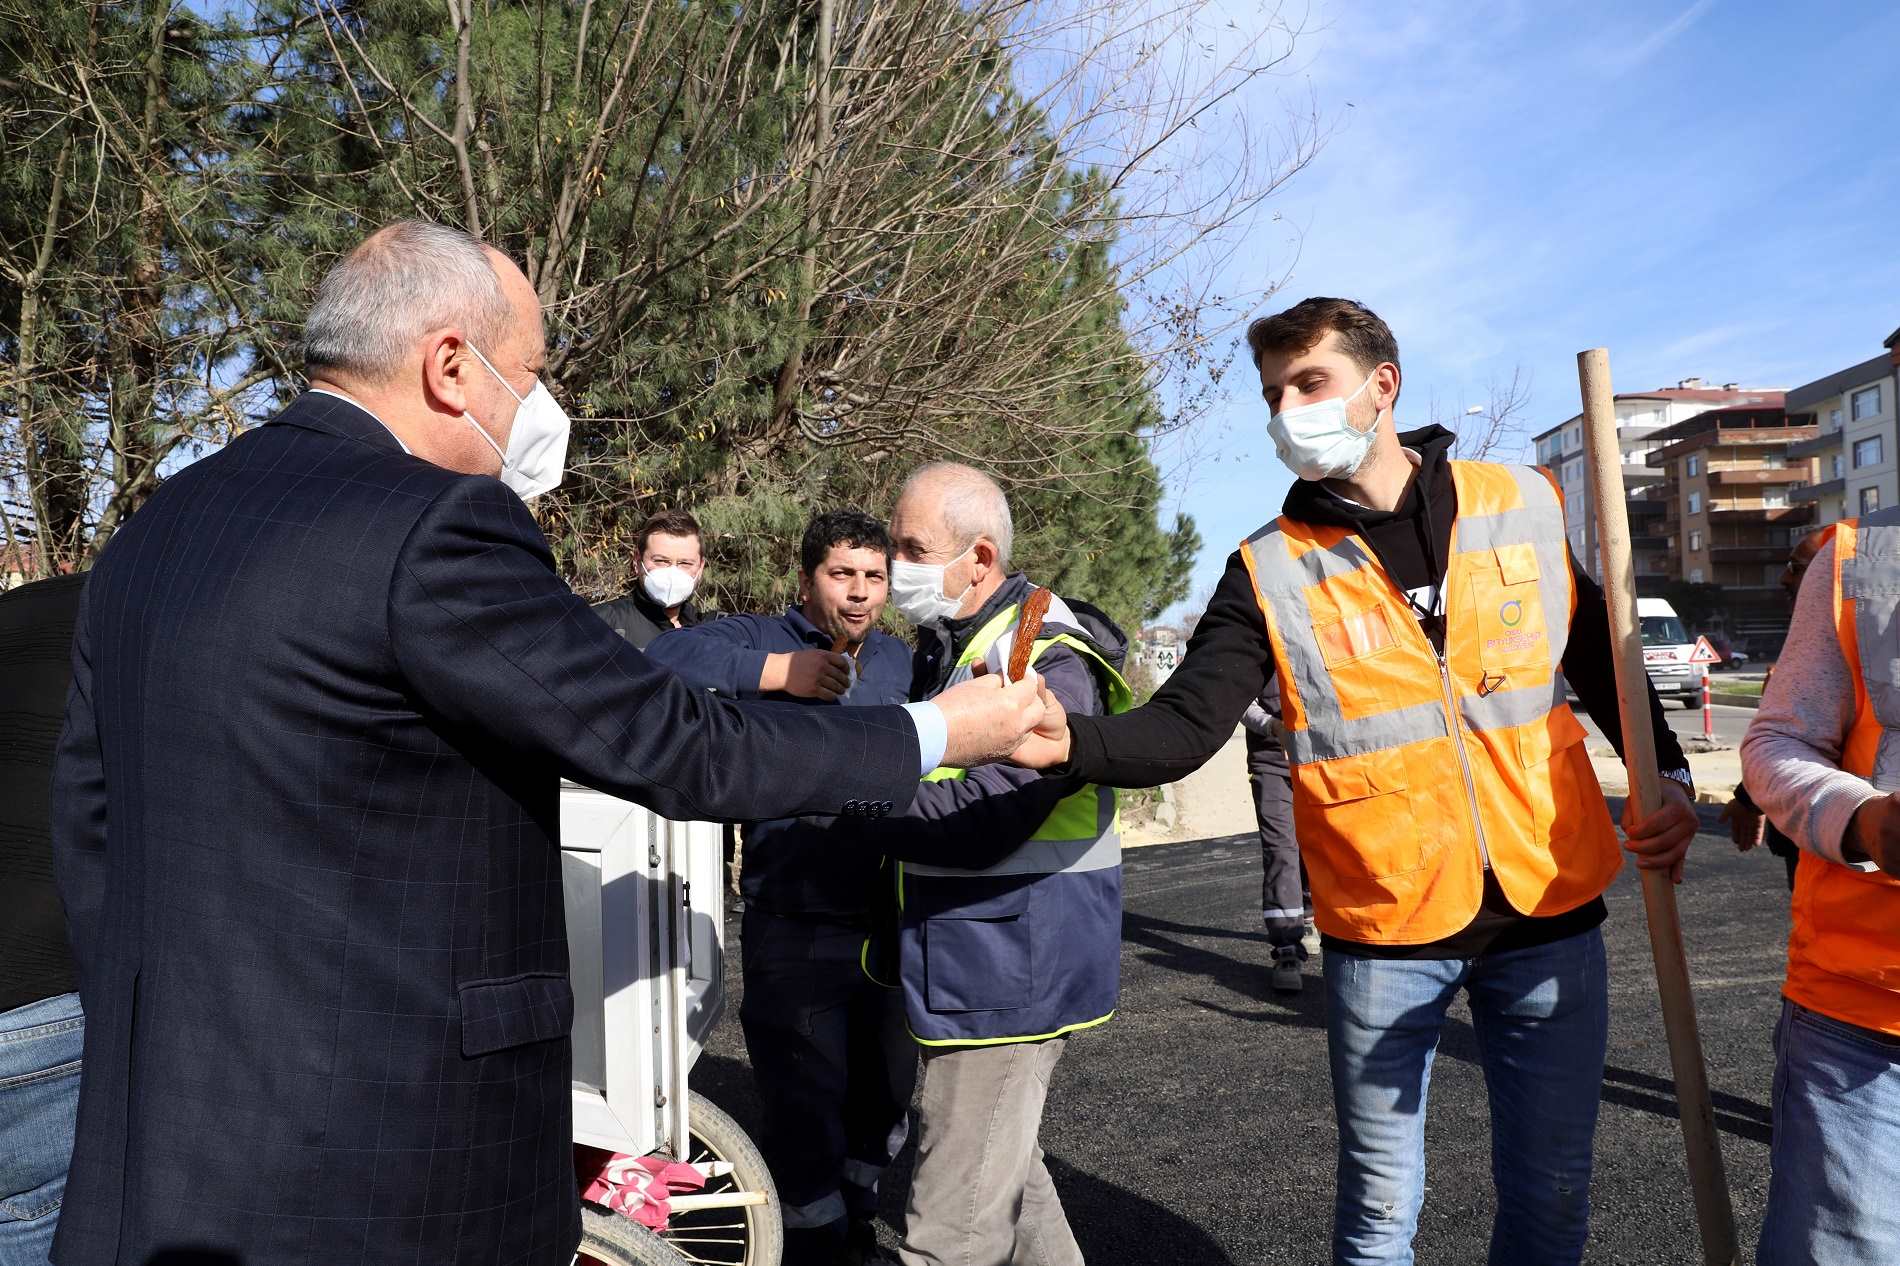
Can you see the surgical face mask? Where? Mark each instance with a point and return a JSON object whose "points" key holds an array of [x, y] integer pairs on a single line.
{"points": [[1318, 442], [669, 586], [917, 589], [537, 446]]}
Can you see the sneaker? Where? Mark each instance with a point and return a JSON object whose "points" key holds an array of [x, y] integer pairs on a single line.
{"points": [[1286, 969]]}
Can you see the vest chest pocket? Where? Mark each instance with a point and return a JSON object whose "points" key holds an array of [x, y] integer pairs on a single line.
{"points": [[1507, 603], [1358, 811]]}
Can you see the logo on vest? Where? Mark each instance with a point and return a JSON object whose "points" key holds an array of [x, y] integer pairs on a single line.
{"points": [[1513, 640]]}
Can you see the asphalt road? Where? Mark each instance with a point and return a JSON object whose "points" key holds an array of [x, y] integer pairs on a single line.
{"points": [[1196, 1128], [1730, 723]]}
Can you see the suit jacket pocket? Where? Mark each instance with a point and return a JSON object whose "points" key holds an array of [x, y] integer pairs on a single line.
{"points": [[513, 1011]]}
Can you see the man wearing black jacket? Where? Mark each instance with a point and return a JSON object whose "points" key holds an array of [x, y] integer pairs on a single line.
{"points": [[1536, 979], [669, 562], [41, 1026]]}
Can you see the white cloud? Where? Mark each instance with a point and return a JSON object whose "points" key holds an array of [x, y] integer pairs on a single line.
{"points": [[1631, 56]]}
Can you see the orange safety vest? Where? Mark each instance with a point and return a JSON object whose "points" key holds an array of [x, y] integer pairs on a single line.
{"points": [[1412, 771], [1844, 946]]}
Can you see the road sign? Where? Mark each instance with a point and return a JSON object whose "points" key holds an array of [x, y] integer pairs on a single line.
{"points": [[1704, 653]]}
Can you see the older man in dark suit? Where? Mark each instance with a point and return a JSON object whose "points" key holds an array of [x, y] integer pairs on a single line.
{"points": [[325, 685]]}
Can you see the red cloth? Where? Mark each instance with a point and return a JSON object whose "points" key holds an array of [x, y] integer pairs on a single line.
{"points": [[639, 1187]]}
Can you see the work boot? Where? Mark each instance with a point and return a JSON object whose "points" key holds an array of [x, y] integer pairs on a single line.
{"points": [[1286, 969]]}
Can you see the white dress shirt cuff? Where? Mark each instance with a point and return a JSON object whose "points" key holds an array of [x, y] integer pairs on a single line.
{"points": [[933, 734]]}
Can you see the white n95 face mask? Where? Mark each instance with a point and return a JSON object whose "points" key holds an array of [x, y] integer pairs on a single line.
{"points": [[1317, 442], [669, 586], [917, 590], [537, 446]]}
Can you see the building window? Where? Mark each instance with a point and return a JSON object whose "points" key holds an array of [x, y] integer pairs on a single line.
{"points": [[1837, 465], [1867, 452], [1833, 419], [1869, 499], [1866, 403], [1695, 503], [1695, 575], [1695, 540], [1777, 499], [1695, 465]]}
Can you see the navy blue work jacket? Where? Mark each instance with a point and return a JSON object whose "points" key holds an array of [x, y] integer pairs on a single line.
{"points": [[799, 867]]}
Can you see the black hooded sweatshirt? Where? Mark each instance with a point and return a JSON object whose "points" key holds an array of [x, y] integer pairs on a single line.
{"points": [[1228, 663]]}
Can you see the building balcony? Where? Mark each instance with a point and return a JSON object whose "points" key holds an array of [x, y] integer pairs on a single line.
{"points": [[1649, 542], [1814, 492], [1748, 553], [1730, 512], [1757, 475], [1825, 442]]}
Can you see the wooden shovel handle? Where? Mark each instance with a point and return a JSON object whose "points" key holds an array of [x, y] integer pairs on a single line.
{"points": [[1035, 606]]}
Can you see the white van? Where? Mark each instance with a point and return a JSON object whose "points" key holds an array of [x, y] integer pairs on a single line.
{"points": [[1667, 647]]}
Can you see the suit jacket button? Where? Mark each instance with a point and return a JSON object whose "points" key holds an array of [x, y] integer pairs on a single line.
{"points": [[850, 806]]}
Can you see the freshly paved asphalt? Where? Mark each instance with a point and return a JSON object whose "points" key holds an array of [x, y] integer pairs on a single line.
{"points": [[1197, 1129], [1730, 723]]}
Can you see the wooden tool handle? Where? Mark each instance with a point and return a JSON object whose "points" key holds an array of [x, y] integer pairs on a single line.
{"points": [[1035, 606], [1715, 1213]]}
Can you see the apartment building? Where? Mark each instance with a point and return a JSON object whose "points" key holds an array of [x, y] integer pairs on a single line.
{"points": [[1639, 416], [1857, 446], [1729, 514]]}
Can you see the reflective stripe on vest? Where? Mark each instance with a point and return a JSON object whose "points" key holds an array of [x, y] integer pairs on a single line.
{"points": [[1843, 945], [1413, 770], [1083, 831]]}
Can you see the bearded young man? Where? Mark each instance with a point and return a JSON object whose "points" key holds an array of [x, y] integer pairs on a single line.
{"points": [[1421, 616], [833, 1064]]}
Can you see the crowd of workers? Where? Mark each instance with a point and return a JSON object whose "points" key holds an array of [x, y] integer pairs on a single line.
{"points": [[289, 875]]}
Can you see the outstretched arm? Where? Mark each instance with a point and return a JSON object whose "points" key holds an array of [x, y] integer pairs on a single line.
{"points": [[1227, 665]]}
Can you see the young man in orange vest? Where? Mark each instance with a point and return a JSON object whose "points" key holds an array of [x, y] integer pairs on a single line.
{"points": [[1822, 759], [1421, 615]]}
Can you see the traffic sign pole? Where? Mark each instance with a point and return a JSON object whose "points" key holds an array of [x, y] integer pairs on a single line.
{"points": [[1704, 654], [1709, 715]]}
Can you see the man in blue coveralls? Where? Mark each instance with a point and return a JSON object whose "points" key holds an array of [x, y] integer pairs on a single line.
{"points": [[834, 1065]]}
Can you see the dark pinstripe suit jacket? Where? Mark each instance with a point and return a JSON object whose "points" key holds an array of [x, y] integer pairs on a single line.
{"points": [[305, 831]]}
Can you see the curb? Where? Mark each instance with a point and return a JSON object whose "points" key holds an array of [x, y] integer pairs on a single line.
{"points": [[1735, 701]]}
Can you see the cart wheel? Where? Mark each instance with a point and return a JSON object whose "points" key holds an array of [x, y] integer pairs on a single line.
{"points": [[743, 1235], [608, 1239]]}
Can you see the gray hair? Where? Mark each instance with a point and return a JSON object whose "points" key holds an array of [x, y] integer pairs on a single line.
{"points": [[402, 281], [971, 503]]}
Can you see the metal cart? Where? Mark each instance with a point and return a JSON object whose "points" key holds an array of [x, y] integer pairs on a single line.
{"points": [[645, 927]]}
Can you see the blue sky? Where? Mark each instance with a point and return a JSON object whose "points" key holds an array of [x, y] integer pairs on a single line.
{"points": [[1707, 188]]}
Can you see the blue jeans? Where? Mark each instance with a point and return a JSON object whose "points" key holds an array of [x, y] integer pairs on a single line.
{"points": [[1831, 1195], [1542, 1018], [39, 1099]]}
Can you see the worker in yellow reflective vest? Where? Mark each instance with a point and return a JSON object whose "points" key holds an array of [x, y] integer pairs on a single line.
{"points": [[1421, 615], [1007, 887]]}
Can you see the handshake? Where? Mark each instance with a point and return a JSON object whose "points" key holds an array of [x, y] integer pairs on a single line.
{"points": [[991, 720]]}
